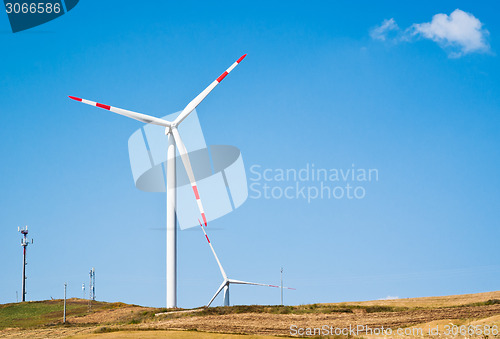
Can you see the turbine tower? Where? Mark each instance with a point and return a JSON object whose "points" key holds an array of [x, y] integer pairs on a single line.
{"points": [[174, 141], [227, 281], [24, 244]]}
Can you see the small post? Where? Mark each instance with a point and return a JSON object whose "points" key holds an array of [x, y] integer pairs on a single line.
{"points": [[281, 286], [90, 290], [64, 315]]}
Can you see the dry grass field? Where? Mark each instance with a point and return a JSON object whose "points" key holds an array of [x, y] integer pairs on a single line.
{"points": [[117, 320]]}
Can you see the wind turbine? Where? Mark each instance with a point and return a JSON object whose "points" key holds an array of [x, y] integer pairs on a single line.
{"points": [[174, 139], [227, 281]]}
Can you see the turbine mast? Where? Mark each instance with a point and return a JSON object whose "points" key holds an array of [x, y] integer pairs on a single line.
{"points": [[226, 295], [171, 225]]}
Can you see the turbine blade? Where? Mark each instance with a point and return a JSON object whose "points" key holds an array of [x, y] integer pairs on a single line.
{"points": [[187, 165], [213, 251], [196, 101], [232, 281], [134, 115], [217, 293]]}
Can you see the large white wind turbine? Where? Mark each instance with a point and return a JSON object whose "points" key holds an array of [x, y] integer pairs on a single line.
{"points": [[226, 282], [174, 139]]}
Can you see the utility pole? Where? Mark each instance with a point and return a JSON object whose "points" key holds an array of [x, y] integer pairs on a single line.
{"points": [[281, 286], [17, 298], [93, 284], [64, 316], [24, 244]]}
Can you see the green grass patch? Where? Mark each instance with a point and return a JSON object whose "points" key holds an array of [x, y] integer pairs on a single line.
{"points": [[301, 309], [374, 309], [483, 303], [37, 313], [105, 329]]}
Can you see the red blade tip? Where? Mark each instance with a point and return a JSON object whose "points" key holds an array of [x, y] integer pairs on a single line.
{"points": [[74, 98], [241, 58]]}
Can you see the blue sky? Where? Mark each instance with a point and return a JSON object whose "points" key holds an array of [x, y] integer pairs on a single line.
{"points": [[316, 88]]}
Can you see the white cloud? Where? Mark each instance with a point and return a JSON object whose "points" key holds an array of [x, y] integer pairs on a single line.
{"points": [[460, 30], [389, 298], [381, 32], [459, 33]]}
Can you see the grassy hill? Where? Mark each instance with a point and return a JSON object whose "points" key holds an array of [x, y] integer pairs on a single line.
{"points": [[34, 314], [41, 319]]}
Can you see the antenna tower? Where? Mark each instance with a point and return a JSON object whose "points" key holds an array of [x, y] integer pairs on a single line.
{"points": [[24, 244], [92, 284]]}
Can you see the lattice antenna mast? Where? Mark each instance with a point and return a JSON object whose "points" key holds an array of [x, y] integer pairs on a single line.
{"points": [[24, 244], [92, 284]]}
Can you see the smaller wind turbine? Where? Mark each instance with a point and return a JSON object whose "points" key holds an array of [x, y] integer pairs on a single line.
{"points": [[227, 281]]}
